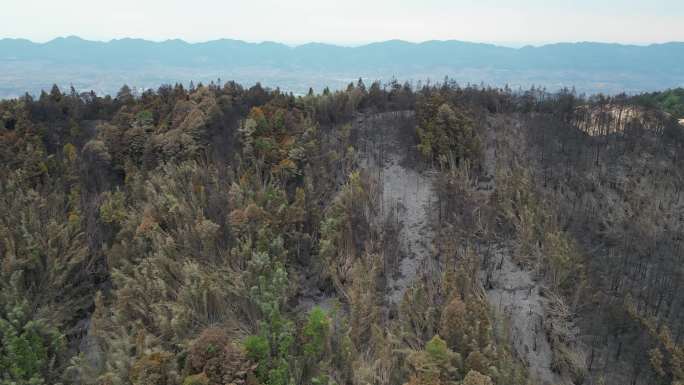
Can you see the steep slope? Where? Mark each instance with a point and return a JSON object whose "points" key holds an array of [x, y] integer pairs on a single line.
{"points": [[513, 292], [388, 151]]}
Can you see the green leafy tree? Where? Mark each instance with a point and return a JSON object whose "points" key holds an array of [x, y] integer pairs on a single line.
{"points": [[447, 133], [271, 347], [316, 333], [437, 364], [29, 348]]}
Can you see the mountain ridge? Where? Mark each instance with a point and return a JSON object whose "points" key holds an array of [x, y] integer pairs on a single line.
{"points": [[104, 66], [180, 40]]}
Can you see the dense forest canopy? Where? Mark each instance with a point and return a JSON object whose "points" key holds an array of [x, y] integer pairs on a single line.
{"points": [[219, 234]]}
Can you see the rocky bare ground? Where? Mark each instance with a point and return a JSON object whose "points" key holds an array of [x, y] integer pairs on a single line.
{"points": [[410, 194], [388, 151], [513, 293]]}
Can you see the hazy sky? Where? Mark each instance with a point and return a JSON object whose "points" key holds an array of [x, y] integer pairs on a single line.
{"points": [[348, 21]]}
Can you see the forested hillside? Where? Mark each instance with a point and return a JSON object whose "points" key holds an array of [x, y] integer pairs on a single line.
{"points": [[376, 235]]}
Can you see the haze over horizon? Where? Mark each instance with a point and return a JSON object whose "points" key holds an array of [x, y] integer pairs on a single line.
{"points": [[466, 40], [356, 22], [105, 66], [505, 44]]}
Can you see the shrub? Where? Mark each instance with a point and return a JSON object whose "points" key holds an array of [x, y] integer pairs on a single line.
{"points": [[476, 378], [196, 379], [153, 369], [212, 356], [208, 345]]}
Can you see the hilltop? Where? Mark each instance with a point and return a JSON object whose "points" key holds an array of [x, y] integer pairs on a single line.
{"points": [[375, 235]]}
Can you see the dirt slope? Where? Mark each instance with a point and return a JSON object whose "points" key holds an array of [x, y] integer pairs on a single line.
{"points": [[387, 150]]}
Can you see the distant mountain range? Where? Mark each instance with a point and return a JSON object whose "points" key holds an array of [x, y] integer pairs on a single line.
{"points": [[105, 66]]}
